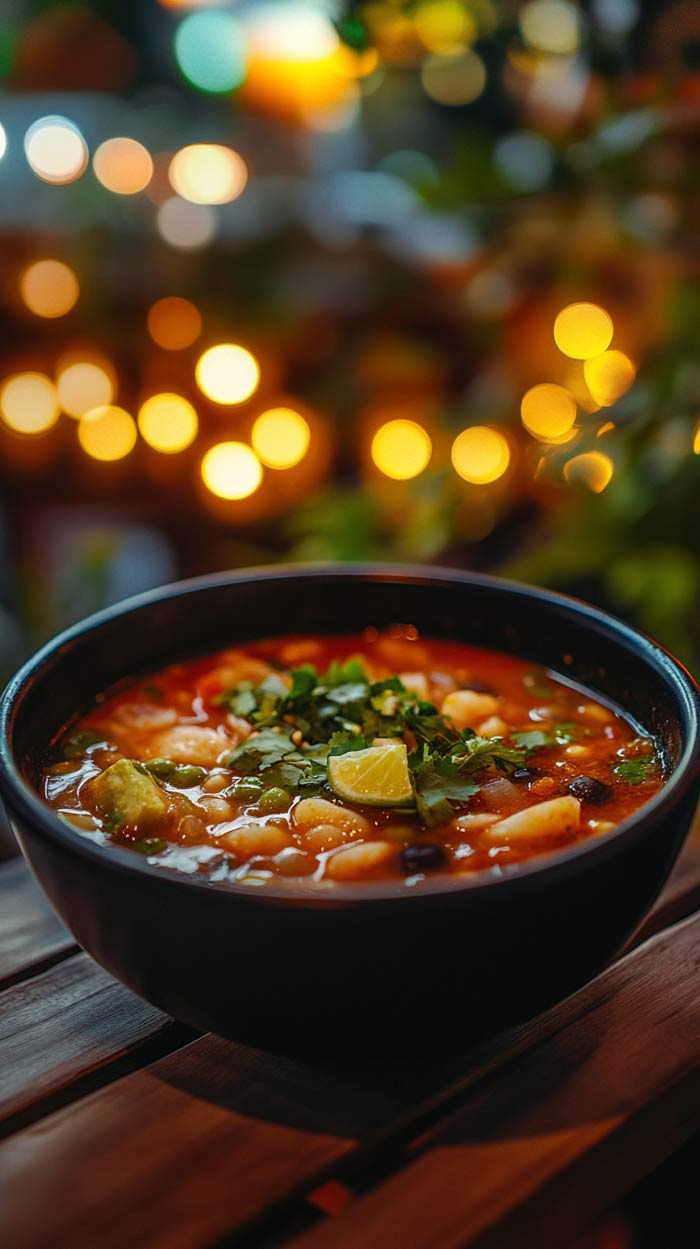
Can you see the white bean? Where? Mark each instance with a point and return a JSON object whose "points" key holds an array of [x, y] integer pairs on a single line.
{"points": [[546, 821], [310, 812], [356, 862], [253, 839], [467, 707], [494, 726]]}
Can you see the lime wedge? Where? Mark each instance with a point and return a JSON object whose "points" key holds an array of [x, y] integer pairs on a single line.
{"points": [[377, 777]]}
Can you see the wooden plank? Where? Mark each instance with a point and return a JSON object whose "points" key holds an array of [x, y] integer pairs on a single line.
{"points": [[31, 936], [198, 1144], [63, 1026], [569, 1125]]}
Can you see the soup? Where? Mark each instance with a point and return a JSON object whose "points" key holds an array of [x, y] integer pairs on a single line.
{"points": [[326, 760]]}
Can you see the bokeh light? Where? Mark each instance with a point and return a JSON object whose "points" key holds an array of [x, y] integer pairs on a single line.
{"points": [[480, 454], [609, 376], [82, 386], [174, 323], [49, 288], [3, 141], [401, 449], [168, 423], [696, 439], [123, 165], [583, 330], [56, 150], [184, 225], [455, 79], [208, 173], [227, 373], [281, 437], [28, 403], [210, 52], [107, 433], [444, 25], [231, 470], [552, 26], [591, 469], [548, 411]]}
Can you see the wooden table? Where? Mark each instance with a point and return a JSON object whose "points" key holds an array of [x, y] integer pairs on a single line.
{"points": [[124, 1130]]}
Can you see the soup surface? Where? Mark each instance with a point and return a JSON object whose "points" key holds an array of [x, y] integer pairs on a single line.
{"points": [[340, 759]]}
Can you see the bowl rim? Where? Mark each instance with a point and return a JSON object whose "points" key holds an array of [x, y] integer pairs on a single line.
{"points": [[27, 804]]}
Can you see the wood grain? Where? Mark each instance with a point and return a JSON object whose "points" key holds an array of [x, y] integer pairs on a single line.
{"points": [[61, 1027], [568, 1125], [31, 936]]}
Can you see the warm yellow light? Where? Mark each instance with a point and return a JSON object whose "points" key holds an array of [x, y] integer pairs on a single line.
{"points": [[107, 433], [696, 439], [401, 449], [551, 26], [591, 469], [174, 323], [83, 386], [609, 376], [281, 437], [548, 411], [455, 79], [444, 25], [231, 470], [207, 173], [227, 373], [480, 454], [49, 288], [583, 330], [123, 165], [607, 428], [168, 423], [28, 403], [56, 150]]}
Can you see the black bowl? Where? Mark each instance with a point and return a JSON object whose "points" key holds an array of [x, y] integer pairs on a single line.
{"points": [[370, 965]]}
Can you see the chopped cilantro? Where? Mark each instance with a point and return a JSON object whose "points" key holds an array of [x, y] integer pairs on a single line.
{"points": [[634, 771], [77, 745], [534, 739], [342, 710]]}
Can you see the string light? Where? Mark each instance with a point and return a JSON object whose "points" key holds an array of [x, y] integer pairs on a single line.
{"points": [[548, 411], [83, 385], [107, 433], [123, 166], [227, 373], [28, 403], [208, 173], [480, 454], [231, 470], [552, 26], [583, 330], [210, 53], [456, 79], [49, 288], [609, 376], [281, 437], [401, 449], [168, 423], [56, 150], [591, 469], [184, 225], [174, 323]]}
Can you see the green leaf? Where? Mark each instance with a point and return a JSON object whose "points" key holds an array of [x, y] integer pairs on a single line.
{"points": [[79, 742], [533, 739], [634, 771]]}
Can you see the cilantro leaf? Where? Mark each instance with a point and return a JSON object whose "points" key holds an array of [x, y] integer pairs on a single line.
{"points": [[533, 739], [634, 771], [437, 784]]}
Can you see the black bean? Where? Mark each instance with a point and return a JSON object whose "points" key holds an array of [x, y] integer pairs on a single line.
{"points": [[525, 774], [421, 856], [589, 789]]}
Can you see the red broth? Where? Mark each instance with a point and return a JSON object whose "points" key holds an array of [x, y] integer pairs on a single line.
{"points": [[306, 759]]}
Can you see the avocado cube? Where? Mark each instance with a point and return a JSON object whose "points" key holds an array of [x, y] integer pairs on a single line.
{"points": [[126, 797]]}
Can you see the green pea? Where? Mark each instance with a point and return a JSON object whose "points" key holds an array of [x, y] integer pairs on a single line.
{"points": [[162, 768], [247, 789], [185, 775], [275, 799]]}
